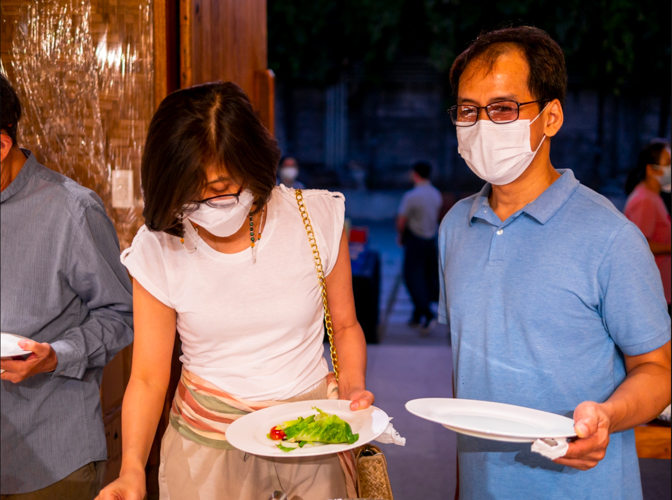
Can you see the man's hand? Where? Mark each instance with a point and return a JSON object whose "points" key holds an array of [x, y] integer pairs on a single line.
{"points": [[42, 360], [591, 423]]}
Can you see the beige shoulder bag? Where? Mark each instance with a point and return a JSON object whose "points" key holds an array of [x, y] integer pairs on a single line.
{"points": [[373, 480]]}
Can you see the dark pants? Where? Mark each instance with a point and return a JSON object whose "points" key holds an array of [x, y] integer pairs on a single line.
{"points": [[83, 484], [421, 273]]}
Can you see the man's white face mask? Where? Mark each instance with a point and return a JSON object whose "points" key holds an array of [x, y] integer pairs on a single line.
{"points": [[498, 154]]}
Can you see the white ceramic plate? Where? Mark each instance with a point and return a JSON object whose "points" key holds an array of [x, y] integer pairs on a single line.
{"points": [[249, 432], [495, 421], [10, 345]]}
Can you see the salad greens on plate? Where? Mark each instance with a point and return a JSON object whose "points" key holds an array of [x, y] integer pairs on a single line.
{"points": [[321, 428]]}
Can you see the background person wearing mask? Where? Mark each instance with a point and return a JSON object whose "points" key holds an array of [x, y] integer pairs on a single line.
{"points": [[288, 173], [418, 224], [553, 297], [646, 208], [63, 286]]}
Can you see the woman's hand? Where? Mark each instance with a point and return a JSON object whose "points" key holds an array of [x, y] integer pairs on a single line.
{"points": [[361, 399], [131, 485]]}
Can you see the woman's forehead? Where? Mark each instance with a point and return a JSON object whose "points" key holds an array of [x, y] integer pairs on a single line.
{"points": [[216, 173]]}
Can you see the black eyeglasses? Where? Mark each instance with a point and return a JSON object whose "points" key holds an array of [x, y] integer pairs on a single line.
{"points": [[500, 112], [220, 201]]}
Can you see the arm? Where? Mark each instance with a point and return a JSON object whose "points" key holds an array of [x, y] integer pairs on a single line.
{"points": [[96, 275], [348, 334], [659, 248], [641, 397], [401, 223], [143, 402]]}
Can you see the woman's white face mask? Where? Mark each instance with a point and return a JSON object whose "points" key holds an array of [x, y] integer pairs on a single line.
{"points": [[665, 178], [498, 154], [224, 222]]}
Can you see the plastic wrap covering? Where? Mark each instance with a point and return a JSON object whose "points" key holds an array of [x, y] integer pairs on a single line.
{"points": [[83, 70]]}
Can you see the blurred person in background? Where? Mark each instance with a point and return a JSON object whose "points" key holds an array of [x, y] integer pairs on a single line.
{"points": [[63, 287], [224, 259], [418, 225], [646, 208], [289, 172], [552, 295]]}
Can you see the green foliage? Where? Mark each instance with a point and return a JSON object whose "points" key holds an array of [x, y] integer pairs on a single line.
{"points": [[608, 44]]}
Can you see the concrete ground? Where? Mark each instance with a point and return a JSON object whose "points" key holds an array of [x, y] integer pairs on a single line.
{"points": [[406, 366]]}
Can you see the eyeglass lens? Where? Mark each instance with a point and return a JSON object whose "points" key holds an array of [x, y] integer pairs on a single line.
{"points": [[499, 112], [223, 201]]}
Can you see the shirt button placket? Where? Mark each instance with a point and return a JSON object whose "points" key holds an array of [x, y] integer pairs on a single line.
{"points": [[497, 247]]}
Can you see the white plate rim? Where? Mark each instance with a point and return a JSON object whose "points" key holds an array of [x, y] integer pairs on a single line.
{"points": [[22, 351], [326, 405], [496, 436]]}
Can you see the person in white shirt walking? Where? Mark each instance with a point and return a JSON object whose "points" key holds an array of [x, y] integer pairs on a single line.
{"points": [[418, 225]]}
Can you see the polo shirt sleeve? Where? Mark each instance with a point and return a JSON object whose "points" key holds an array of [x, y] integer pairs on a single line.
{"points": [[443, 308], [405, 206], [633, 306]]}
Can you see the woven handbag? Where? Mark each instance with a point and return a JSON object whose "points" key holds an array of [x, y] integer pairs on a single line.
{"points": [[373, 480]]}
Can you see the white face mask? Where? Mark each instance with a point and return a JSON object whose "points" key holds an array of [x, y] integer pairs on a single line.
{"points": [[664, 179], [224, 222], [498, 154], [289, 173]]}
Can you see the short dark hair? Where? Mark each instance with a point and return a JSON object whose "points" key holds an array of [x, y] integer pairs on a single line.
{"points": [[209, 124], [10, 108], [547, 76], [423, 169], [650, 155]]}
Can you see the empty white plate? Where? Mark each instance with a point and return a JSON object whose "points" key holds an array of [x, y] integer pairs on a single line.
{"points": [[248, 433], [10, 345], [495, 421]]}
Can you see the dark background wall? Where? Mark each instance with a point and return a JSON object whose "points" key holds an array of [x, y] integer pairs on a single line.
{"points": [[362, 85]]}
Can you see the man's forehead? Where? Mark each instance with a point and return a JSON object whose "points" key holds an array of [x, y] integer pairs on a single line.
{"points": [[503, 72]]}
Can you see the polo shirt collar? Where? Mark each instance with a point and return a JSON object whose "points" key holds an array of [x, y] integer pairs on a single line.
{"points": [[552, 200], [541, 209], [22, 177]]}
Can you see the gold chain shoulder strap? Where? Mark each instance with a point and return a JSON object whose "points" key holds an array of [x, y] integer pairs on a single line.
{"points": [[320, 278]]}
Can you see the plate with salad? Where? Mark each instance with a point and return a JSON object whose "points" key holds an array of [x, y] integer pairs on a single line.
{"points": [[306, 428]]}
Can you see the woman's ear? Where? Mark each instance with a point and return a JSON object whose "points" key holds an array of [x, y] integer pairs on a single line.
{"points": [[651, 172], [553, 118]]}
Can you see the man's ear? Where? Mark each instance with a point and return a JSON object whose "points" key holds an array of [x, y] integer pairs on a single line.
{"points": [[553, 118], [6, 144]]}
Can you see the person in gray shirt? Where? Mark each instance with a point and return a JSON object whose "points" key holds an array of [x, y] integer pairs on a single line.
{"points": [[62, 285], [418, 225]]}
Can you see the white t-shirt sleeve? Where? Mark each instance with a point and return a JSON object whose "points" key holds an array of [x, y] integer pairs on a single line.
{"points": [[327, 213], [144, 261]]}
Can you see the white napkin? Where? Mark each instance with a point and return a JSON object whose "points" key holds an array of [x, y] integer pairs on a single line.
{"points": [[390, 435], [551, 448]]}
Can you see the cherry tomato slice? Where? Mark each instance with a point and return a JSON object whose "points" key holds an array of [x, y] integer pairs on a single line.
{"points": [[277, 434]]}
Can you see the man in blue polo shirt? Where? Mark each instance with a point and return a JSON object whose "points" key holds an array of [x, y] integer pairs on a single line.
{"points": [[553, 297]]}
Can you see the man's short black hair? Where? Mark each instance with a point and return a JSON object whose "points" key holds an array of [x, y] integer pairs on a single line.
{"points": [[10, 108], [548, 75], [423, 169]]}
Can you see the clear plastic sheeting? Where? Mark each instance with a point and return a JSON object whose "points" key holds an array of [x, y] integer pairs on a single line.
{"points": [[83, 70]]}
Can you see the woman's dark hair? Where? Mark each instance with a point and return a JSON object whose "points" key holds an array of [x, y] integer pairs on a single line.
{"points": [[10, 108], [650, 155], [548, 75], [210, 124]]}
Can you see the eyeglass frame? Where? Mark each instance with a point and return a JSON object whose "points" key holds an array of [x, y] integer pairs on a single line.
{"points": [[235, 196], [479, 108]]}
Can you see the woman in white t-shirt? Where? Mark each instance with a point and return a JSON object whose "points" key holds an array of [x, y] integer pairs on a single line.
{"points": [[224, 258]]}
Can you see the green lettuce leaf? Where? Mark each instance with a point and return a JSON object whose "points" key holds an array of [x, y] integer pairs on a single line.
{"points": [[322, 428]]}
